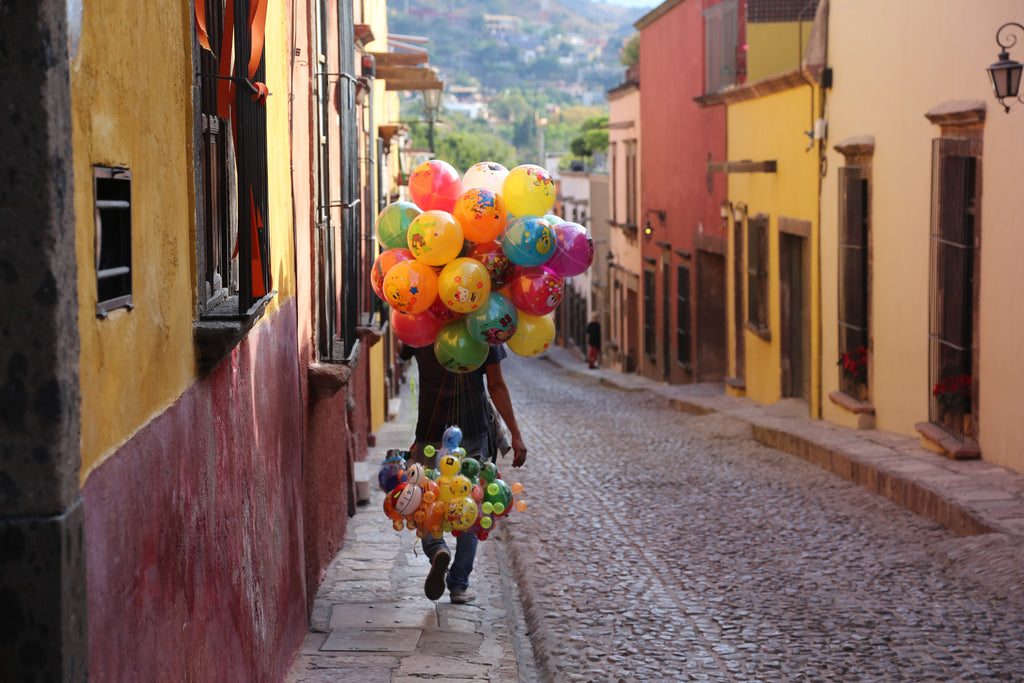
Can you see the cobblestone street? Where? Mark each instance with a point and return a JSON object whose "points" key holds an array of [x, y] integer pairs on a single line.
{"points": [[659, 545]]}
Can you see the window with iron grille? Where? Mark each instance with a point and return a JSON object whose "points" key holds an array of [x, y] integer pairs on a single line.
{"points": [[952, 292], [765, 11], [631, 190], [683, 316], [757, 274], [649, 313], [853, 281], [233, 243], [112, 193], [721, 37]]}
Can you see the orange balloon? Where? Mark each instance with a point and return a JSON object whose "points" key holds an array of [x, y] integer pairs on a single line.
{"points": [[481, 213], [410, 286]]}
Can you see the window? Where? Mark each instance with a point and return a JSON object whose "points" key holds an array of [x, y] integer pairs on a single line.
{"points": [[757, 274], [612, 179], [853, 281], [649, 313], [683, 316], [954, 226], [112, 193], [234, 248], [720, 30], [631, 189]]}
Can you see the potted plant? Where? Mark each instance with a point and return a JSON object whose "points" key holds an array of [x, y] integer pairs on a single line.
{"points": [[854, 366], [953, 395]]}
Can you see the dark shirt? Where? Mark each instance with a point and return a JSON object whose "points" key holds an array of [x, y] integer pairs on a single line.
{"points": [[449, 398], [594, 333]]}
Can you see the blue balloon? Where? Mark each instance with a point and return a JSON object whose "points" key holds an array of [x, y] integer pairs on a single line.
{"points": [[528, 241], [452, 437]]}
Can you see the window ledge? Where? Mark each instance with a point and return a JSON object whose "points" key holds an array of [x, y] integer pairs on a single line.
{"points": [[967, 449], [851, 404], [762, 332], [216, 333], [736, 383], [327, 377]]}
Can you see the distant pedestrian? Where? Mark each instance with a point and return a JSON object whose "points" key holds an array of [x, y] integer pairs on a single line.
{"points": [[593, 341]]}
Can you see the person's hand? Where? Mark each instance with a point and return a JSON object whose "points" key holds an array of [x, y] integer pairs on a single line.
{"points": [[518, 451]]}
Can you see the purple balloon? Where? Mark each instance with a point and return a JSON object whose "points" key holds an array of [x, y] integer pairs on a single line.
{"points": [[574, 250]]}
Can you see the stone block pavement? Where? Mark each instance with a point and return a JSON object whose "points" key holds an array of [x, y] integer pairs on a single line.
{"points": [[372, 623]]}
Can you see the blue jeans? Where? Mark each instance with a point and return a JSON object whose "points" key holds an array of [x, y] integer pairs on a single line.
{"points": [[465, 544]]}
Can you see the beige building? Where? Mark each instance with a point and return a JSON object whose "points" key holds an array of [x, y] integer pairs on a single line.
{"points": [[920, 226]]}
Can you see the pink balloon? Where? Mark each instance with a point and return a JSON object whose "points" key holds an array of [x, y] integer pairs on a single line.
{"points": [[574, 250], [536, 290]]}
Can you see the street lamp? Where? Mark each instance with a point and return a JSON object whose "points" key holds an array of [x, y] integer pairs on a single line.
{"points": [[431, 106], [1005, 74]]}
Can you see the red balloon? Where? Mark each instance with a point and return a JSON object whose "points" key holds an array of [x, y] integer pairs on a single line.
{"points": [[491, 255], [536, 290], [435, 184], [415, 329]]}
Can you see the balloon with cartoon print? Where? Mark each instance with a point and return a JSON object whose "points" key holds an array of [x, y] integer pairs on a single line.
{"points": [[495, 261], [410, 286], [481, 213], [536, 289], [382, 264], [464, 285], [528, 190], [435, 238], [495, 322], [528, 241]]}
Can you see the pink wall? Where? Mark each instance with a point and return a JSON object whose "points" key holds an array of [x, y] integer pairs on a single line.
{"points": [[194, 528], [678, 135]]}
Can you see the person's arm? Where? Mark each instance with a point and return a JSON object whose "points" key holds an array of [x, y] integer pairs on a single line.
{"points": [[503, 402]]}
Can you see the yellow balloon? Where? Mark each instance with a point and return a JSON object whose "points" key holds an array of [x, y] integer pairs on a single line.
{"points": [[435, 238], [461, 513], [533, 335], [528, 190], [464, 285]]}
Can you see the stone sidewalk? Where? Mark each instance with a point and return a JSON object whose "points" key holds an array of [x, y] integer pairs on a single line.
{"points": [[371, 622]]}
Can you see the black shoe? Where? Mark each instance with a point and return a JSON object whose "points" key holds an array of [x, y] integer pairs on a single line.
{"points": [[433, 587]]}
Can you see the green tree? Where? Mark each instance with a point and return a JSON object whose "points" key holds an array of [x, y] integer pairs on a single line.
{"points": [[630, 54]]}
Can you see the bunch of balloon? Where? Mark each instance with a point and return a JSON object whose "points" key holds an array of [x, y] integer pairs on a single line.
{"points": [[468, 258], [459, 496]]}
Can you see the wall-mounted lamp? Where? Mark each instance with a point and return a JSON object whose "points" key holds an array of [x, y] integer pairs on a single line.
{"points": [[739, 211], [648, 228], [724, 212], [431, 106], [1005, 74]]}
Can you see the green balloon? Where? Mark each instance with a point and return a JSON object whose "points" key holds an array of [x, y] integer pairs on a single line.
{"points": [[393, 224], [457, 350]]}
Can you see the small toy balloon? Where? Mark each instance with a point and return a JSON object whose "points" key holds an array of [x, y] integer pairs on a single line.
{"points": [[536, 289], [494, 322], [391, 473], [435, 184], [457, 350], [527, 241], [481, 213], [452, 437], [488, 175], [574, 250], [435, 238], [528, 190], [534, 334], [410, 286], [462, 512], [415, 329], [464, 285], [393, 224]]}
